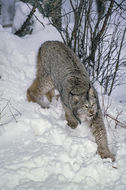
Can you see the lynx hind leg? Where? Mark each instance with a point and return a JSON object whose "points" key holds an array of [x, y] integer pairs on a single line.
{"points": [[37, 91], [51, 94], [33, 91], [99, 132]]}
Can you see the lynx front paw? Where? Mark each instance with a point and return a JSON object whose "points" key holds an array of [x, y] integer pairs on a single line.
{"points": [[106, 154], [72, 124]]}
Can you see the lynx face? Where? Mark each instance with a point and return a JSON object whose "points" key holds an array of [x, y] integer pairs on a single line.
{"points": [[88, 111], [84, 108]]}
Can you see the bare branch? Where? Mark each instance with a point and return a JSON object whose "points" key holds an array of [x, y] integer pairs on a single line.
{"points": [[23, 27], [117, 121], [96, 38], [35, 16], [118, 60]]}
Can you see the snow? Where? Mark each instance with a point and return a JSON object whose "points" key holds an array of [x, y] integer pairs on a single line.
{"points": [[38, 151], [22, 11], [7, 11]]}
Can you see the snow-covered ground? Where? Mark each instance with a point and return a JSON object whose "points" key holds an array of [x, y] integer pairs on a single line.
{"points": [[38, 151]]}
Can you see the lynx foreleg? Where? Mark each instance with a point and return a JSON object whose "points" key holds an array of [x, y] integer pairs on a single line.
{"points": [[71, 120], [99, 132], [50, 94]]}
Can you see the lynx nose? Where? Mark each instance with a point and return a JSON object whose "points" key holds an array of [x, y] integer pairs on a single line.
{"points": [[91, 111]]}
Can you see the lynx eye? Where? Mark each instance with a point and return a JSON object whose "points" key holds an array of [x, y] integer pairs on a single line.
{"points": [[93, 104], [86, 106]]}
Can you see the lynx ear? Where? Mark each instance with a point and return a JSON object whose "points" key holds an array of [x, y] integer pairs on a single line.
{"points": [[91, 92], [93, 97]]}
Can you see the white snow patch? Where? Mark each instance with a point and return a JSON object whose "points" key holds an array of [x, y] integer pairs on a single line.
{"points": [[39, 151]]}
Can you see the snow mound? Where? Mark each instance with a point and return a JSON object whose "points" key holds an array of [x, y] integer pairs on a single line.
{"points": [[38, 151]]}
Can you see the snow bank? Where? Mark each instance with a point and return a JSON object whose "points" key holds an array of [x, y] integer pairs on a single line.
{"points": [[38, 151]]}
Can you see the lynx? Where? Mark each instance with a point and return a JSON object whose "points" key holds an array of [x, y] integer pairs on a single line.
{"points": [[59, 68]]}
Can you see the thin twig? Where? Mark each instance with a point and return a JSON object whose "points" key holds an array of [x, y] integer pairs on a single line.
{"points": [[15, 109], [116, 120], [23, 27], [10, 107], [12, 113], [36, 16], [5, 106], [118, 60]]}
